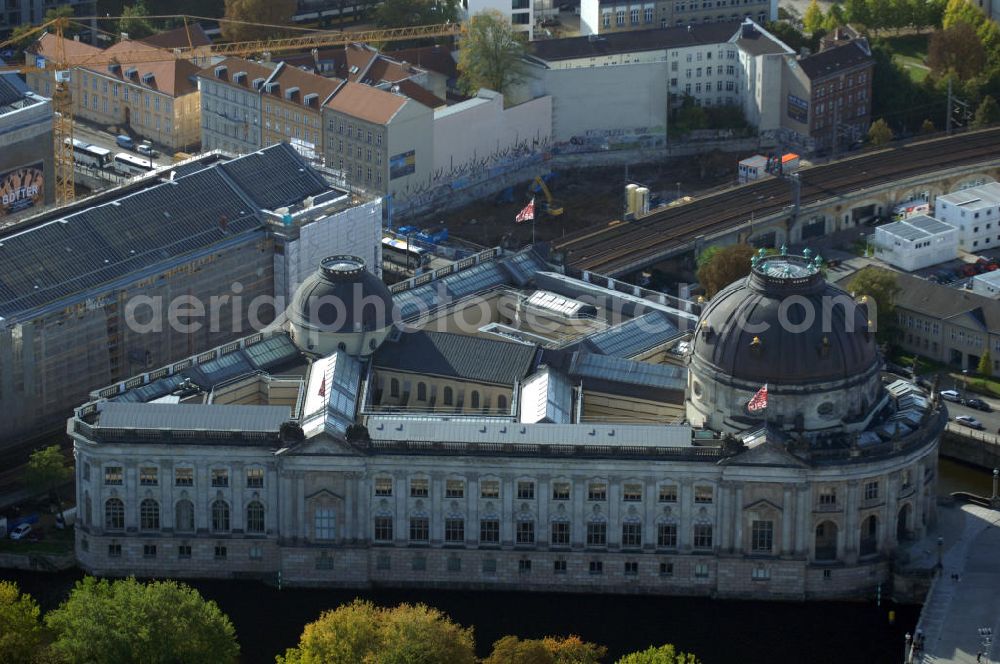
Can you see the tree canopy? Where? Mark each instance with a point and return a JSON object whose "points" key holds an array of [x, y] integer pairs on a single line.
{"points": [[20, 630], [134, 22], [878, 290], [268, 13], [987, 113], [48, 470], [550, 650], [125, 622], [956, 49], [720, 266], [985, 366], [490, 54], [665, 654], [360, 632], [405, 13], [813, 19], [880, 133]]}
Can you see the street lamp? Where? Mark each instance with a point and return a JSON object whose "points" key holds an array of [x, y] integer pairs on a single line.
{"points": [[906, 649], [940, 544], [996, 475], [965, 384]]}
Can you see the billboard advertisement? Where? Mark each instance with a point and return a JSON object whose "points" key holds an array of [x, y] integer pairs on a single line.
{"points": [[798, 109], [402, 164], [21, 188]]}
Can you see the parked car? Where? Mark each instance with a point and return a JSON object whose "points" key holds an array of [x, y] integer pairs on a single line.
{"points": [[979, 404], [969, 421], [125, 141], [21, 531], [951, 395], [146, 148]]}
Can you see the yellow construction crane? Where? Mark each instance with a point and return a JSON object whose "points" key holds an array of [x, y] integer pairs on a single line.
{"points": [[62, 64]]}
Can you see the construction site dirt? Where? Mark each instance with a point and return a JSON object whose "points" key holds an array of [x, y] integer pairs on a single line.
{"points": [[588, 197]]}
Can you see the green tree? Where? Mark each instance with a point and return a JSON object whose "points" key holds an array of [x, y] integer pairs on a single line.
{"points": [[405, 13], [20, 630], [881, 15], [246, 20], [985, 366], [47, 471], [361, 632], [134, 22], [550, 650], [835, 18], [961, 11], [125, 622], [880, 133], [665, 654], [927, 127], [858, 11], [877, 289], [490, 54], [813, 18], [720, 266], [987, 113]]}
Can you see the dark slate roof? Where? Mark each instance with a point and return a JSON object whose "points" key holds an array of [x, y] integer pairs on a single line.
{"points": [[192, 417], [634, 41], [457, 356], [837, 59], [60, 256], [634, 336]]}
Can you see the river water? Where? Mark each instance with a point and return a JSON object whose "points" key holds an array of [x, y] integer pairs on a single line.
{"points": [[719, 631]]}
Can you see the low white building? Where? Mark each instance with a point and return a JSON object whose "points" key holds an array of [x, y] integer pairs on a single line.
{"points": [[520, 13], [916, 243], [975, 212], [987, 283]]}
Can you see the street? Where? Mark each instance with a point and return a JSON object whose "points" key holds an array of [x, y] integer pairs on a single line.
{"points": [[991, 421]]}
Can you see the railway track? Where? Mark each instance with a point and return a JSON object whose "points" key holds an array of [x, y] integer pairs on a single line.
{"points": [[615, 248]]}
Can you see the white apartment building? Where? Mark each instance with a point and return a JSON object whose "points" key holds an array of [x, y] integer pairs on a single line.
{"points": [[916, 243], [987, 283], [975, 212], [520, 13]]}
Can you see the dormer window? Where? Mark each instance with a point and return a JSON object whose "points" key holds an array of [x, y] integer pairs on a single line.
{"points": [[131, 72], [114, 67], [220, 71], [291, 93], [310, 98], [354, 69], [258, 83], [147, 78], [272, 87], [239, 77]]}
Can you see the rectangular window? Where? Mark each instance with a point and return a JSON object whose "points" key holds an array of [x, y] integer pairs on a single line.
{"points": [[255, 478], [828, 496], [703, 494], [560, 533], [419, 488], [148, 476], [526, 490], [454, 489], [871, 490], [596, 567], [560, 491], [454, 531], [632, 493], [489, 531], [419, 529], [114, 550], [383, 529], [325, 523], [597, 491], [489, 566], [668, 493], [256, 553], [220, 477], [761, 536], [383, 486], [220, 552], [524, 565], [113, 475], [559, 567], [666, 535], [183, 476], [632, 535], [148, 550], [666, 569], [489, 489], [184, 551], [454, 564], [597, 534], [703, 536], [701, 571], [525, 532], [631, 568], [762, 573]]}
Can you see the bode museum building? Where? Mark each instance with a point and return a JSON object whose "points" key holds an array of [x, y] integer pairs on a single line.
{"points": [[499, 424]]}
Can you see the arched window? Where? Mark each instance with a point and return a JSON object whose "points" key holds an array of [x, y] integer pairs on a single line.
{"points": [[88, 515], [149, 515], [421, 391], [184, 516], [220, 516], [114, 514], [394, 387], [255, 517], [474, 399], [502, 403], [448, 396]]}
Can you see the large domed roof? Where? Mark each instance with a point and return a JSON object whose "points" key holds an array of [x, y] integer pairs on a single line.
{"points": [[342, 297], [785, 324]]}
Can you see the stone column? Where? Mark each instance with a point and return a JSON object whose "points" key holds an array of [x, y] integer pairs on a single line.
{"points": [[364, 493], [472, 509], [578, 529], [649, 502], [614, 511], [787, 519], [286, 496], [725, 516], [543, 493], [507, 512], [437, 507], [738, 520], [889, 540], [272, 517], [803, 520], [300, 502], [350, 508], [686, 499], [851, 534], [400, 513]]}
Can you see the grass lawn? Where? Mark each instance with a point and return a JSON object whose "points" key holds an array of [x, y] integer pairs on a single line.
{"points": [[57, 542], [905, 360], [910, 51], [980, 384]]}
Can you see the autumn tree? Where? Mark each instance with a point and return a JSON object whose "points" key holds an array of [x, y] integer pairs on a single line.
{"points": [[720, 266], [125, 622], [48, 471], [550, 650], [956, 49], [665, 654], [405, 13], [985, 366], [20, 630], [270, 14], [835, 18], [927, 127], [877, 288], [880, 133], [362, 632], [490, 54], [812, 20], [987, 113]]}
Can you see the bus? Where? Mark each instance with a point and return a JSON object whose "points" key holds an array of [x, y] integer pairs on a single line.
{"points": [[90, 155], [128, 164], [396, 251]]}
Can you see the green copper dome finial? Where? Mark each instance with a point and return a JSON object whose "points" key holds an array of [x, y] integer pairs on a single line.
{"points": [[784, 249], [807, 252]]}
